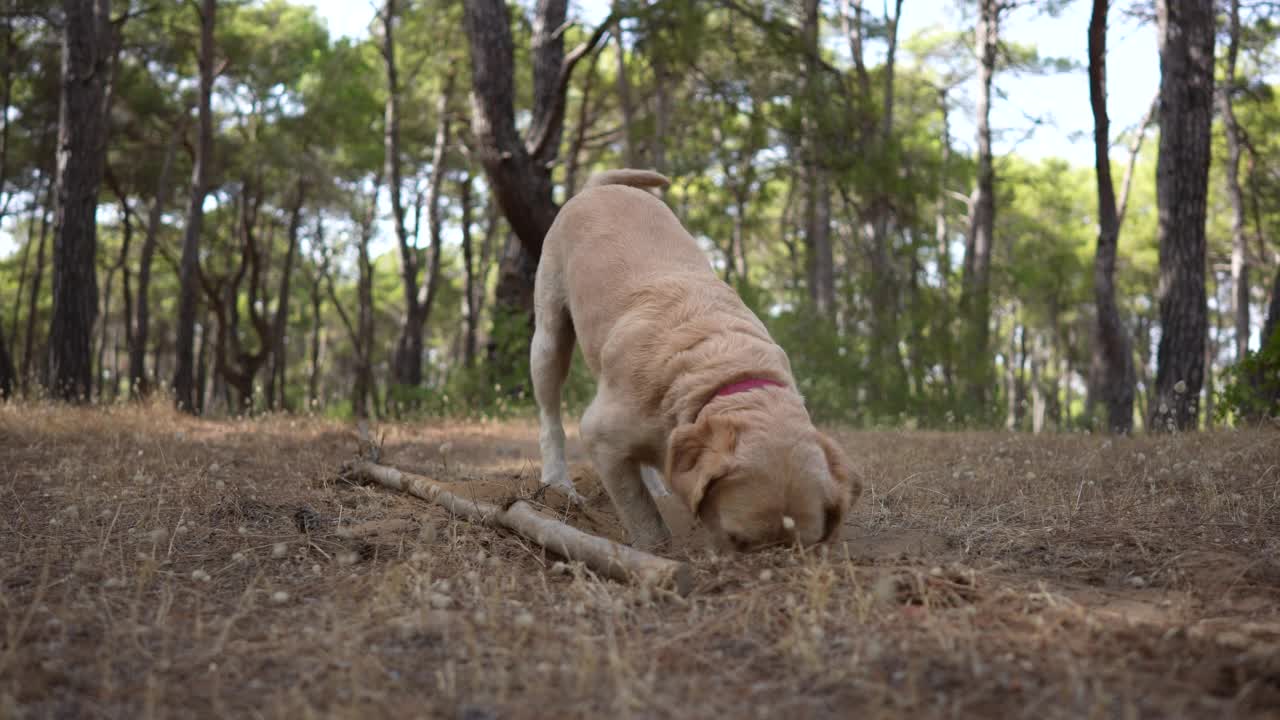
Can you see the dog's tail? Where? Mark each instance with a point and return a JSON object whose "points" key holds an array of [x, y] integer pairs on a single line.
{"points": [[631, 178]]}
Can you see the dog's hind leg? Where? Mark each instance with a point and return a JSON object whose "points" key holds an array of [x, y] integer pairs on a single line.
{"points": [[549, 357]]}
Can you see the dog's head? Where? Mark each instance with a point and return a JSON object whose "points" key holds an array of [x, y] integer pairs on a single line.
{"points": [[756, 481]]}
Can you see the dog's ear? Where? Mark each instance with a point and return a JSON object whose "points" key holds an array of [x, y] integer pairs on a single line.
{"points": [[849, 484], [698, 454]]}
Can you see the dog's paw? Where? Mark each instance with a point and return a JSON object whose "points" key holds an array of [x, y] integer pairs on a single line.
{"points": [[556, 475]]}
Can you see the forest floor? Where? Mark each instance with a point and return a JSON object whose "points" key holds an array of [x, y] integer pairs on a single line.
{"points": [[152, 565]]}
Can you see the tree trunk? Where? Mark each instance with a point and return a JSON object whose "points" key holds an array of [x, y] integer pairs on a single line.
{"points": [[87, 54], [361, 332], [363, 388], [313, 374], [1212, 346], [819, 256], [519, 170], [1039, 356], [468, 267], [280, 323], [1231, 128], [661, 112], [1182, 175], [139, 383], [202, 371], [7, 373], [6, 120], [121, 265], [33, 304], [39, 209], [189, 270], [1113, 381], [631, 146], [975, 300], [317, 324], [573, 157], [407, 363], [892, 377]]}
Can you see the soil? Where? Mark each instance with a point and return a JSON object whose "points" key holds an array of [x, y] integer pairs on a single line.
{"points": [[156, 565]]}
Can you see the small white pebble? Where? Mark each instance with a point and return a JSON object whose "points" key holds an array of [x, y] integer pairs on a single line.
{"points": [[788, 522], [440, 601], [766, 575], [315, 569], [524, 619], [1136, 581], [221, 485], [238, 557], [279, 550], [200, 575], [279, 597], [559, 568], [242, 530]]}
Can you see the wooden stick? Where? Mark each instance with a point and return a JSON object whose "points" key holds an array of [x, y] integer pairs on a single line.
{"points": [[603, 556]]}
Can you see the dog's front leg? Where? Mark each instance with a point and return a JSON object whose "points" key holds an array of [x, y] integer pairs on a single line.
{"points": [[604, 431]]}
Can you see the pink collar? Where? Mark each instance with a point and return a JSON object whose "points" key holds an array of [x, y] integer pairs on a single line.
{"points": [[738, 387], [745, 385]]}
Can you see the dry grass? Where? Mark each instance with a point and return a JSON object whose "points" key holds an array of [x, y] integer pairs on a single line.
{"points": [[154, 565]]}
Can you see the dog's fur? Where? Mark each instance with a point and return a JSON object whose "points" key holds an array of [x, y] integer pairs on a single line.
{"points": [[662, 334]]}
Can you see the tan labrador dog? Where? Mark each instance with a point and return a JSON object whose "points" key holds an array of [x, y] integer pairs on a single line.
{"points": [[688, 379]]}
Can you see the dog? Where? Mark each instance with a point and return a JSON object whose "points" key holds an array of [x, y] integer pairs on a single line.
{"points": [[688, 379]]}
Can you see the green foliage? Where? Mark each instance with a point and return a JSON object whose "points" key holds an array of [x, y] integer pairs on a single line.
{"points": [[1251, 391]]}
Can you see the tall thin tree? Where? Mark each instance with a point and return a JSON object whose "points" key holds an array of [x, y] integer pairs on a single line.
{"points": [[975, 298], [1112, 352], [88, 50], [138, 378], [189, 270], [1187, 34], [1231, 129]]}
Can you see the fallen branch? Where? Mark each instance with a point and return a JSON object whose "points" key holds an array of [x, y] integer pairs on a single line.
{"points": [[603, 556]]}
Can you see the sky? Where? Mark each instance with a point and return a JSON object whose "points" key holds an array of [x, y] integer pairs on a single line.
{"points": [[1060, 102]]}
